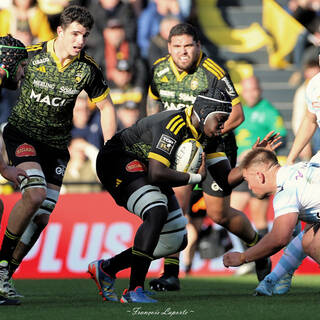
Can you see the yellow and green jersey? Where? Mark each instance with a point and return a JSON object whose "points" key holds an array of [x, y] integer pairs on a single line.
{"points": [[179, 90], [45, 106]]}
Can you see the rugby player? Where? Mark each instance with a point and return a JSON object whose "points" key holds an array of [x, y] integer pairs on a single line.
{"points": [[176, 81], [296, 190], [38, 130], [13, 56], [135, 167]]}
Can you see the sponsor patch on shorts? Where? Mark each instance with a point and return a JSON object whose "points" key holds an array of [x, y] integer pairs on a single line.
{"points": [[26, 150], [135, 166], [166, 144]]}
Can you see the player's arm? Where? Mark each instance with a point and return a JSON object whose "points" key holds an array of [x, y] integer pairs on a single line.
{"points": [[272, 242], [153, 105], [11, 173], [306, 130], [235, 119], [160, 174], [108, 117]]}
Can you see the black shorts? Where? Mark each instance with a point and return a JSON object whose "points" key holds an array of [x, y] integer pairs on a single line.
{"points": [[122, 173], [21, 148], [209, 185]]}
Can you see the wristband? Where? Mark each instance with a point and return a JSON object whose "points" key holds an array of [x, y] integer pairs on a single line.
{"points": [[194, 178]]}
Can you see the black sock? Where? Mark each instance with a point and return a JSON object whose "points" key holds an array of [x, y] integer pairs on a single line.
{"points": [[171, 266], [117, 263], [9, 243], [13, 266], [140, 264]]}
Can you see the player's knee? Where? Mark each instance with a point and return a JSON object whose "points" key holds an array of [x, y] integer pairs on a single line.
{"points": [[218, 216], [33, 197], [145, 198], [173, 236]]}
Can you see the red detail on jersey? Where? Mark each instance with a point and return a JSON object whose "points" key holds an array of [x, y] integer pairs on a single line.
{"points": [[26, 150], [316, 104], [135, 166]]}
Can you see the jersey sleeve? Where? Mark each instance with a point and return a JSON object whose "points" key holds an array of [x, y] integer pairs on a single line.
{"points": [[153, 91], [285, 201], [166, 139], [97, 87], [226, 84]]}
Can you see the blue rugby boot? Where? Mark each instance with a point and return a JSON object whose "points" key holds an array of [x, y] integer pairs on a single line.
{"points": [[104, 282], [283, 285], [137, 295]]}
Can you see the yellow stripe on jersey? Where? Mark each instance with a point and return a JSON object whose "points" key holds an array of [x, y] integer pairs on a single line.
{"points": [[154, 97], [102, 97], [188, 112], [215, 66], [235, 101], [159, 158], [91, 60], [179, 128], [215, 72], [34, 47], [213, 158], [160, 59]]}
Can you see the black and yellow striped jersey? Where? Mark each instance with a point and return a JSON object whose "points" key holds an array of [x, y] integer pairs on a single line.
{"points": [[158, 136], [178, 90], [45, 106]]}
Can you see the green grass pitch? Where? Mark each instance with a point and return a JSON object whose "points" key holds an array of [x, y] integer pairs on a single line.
{"points": [[211, 298]]}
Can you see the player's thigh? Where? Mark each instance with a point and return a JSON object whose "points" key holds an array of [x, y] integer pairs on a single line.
{"points": [[311, 240], [239, 200]]}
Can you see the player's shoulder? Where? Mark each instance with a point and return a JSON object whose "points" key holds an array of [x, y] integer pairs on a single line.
{"points": [[212, 67], [36, 48], [314, 82], [161, 62], [86, 58]]}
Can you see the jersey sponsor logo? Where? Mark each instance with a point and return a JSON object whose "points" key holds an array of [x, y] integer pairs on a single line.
{"points": [[215, 187], [60, 170], [67, 90], [230, 90], [39, 61], [167, 93], [42, 69], [166, 143], [162, 72], [194, 84], [43, 84], [118, 181], [164, 79], [135, 166], [25, 150], [55, 101], [173, 106], [187, 97]]}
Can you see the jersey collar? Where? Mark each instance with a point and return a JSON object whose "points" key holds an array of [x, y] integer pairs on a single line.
{"points": [[50, 49], [188, 112], [182, 75]]}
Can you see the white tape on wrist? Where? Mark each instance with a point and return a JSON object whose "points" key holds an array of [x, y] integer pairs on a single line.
{"points": [[194, 178]]}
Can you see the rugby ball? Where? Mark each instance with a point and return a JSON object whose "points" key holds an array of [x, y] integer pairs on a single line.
{"points": [[188, 156]]}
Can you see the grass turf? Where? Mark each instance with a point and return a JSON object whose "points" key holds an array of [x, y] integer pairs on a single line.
{"points": [[200, 298]]}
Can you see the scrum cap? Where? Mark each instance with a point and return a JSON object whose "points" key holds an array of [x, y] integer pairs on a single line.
{"points": [[211, 101], [12, 52]]}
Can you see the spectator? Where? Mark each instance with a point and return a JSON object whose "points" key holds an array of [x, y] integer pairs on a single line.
{"points": [[260, 118], [53, 9], [159, 43], [86, 122], [150, 18], [103, 11], [80, 176], [128, 98], [311, 68], [26, 22]]}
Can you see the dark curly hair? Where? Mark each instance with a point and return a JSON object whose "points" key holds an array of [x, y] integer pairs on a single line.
{"points": [[78, 14]]}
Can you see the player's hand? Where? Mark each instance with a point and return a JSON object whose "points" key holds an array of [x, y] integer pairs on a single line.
{"points": [[203, 169], [233, 259], [13, 174], [271, 141]]}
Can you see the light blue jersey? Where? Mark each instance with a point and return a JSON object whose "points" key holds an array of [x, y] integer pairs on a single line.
{"points": [[298, 190]]}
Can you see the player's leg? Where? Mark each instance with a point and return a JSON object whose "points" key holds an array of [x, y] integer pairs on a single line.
{"points": [[169, 280], [279, 280], [311, 242], [259, 210]]}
